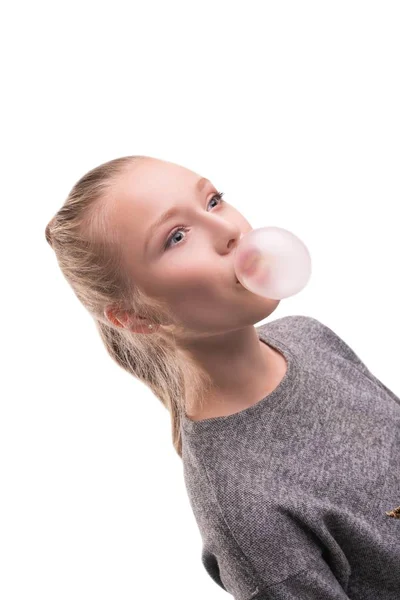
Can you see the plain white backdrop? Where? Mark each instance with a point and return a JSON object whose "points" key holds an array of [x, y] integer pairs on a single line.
{"points": [[291, 109]]}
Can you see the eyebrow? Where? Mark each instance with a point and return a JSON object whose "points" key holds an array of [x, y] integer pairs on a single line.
{"points": [[167, 214]]}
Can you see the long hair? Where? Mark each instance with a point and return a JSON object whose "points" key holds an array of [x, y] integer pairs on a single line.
{"points": [[89, 255]]}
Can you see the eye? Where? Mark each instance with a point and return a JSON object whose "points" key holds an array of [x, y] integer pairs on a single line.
{"points": [[217, 196]]}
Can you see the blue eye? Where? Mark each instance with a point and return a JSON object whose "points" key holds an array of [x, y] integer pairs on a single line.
{"points": [[184, 228]]}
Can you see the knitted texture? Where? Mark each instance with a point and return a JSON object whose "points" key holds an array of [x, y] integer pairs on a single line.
{"points": [[298, 496]]}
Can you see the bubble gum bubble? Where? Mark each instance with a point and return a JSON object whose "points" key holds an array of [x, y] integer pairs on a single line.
{"points": [[272, 262]]}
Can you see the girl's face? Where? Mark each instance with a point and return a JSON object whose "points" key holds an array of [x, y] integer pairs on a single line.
{"points": [[186, 259]]}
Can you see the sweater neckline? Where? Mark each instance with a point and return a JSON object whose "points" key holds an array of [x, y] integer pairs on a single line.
{"points": [[270, 402]]}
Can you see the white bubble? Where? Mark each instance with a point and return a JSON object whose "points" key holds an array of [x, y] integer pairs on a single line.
{"points": [[272, 262]]}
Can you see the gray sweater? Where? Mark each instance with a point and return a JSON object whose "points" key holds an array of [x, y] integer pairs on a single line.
{"points": [[292, 495]]}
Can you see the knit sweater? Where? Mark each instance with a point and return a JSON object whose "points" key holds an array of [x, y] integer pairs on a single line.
{"points": [[295, 496]]}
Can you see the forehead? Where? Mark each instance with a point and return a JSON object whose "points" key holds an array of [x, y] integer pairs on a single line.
{"points": [[142, 193], [150, 179]]}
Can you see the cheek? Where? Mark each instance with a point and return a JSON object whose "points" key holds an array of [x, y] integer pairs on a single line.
{"points": [[193, 273], [192, 289]]}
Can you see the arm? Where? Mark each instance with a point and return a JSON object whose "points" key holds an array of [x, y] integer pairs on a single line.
{"points": [[313, 583]]}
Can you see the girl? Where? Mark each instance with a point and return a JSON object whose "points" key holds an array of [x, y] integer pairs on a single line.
{"points": [[290, 446]]}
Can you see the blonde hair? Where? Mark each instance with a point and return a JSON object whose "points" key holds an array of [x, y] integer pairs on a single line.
{"points": [[89, 257]]}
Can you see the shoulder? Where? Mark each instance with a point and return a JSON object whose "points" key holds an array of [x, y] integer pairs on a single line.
{"points": [[306, 335], [293, 326]]}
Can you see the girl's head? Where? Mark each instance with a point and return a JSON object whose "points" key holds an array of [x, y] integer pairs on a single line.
{"points": [[132, 265]]}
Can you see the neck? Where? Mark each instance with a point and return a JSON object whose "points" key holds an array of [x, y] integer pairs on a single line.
{"points": [[241, 367]]}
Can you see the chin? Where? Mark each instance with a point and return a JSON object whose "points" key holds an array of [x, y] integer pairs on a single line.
{"points": [[272, 305]]}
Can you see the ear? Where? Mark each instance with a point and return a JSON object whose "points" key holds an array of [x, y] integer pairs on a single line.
{"points": [[118, 318]]}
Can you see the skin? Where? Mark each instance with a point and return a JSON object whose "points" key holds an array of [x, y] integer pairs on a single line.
{"points": [[197, 278]]}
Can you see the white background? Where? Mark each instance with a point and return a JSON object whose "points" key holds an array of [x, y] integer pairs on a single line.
{"points": [[291, 109]]}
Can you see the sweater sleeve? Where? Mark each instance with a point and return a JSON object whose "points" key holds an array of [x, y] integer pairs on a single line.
{"points": [[313, 583]]}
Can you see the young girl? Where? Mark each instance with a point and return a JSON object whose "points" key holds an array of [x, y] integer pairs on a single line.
{"points": [[290, 446]]}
